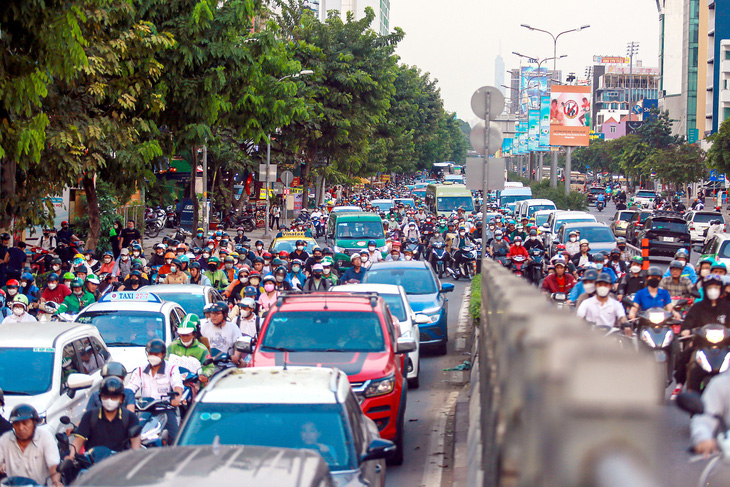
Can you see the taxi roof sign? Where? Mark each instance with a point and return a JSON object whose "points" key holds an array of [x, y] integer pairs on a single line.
{"points": [[293, 234], [116, 296]]}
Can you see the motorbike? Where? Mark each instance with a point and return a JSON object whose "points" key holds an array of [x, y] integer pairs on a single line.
{"points": [[245, 220], [438, 257], [172, 218], [155, 221], [655, 331], [501, 257], [181, 235], [72, 469], [221, 360], [559, 299], [600, 205], [711, 355], [518, 265], [414, 246], [535, 271], [39, 260], [152, 414], [467, 258]]}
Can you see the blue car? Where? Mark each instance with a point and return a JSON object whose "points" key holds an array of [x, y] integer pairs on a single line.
{"points": [[425, 295]]}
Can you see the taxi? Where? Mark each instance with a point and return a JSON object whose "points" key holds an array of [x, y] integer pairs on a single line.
{"points": [[127, 320], [288, 240], [192, 297], [54, 367]]}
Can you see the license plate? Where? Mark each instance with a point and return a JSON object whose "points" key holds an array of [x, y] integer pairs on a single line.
{"points": [[660, 356], [668, 239]]}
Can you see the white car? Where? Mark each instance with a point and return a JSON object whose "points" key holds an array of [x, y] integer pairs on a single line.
{"points": [[408, 320], [192, 297], [129, 319], [54, 367], [645, 198], [698, 223]]}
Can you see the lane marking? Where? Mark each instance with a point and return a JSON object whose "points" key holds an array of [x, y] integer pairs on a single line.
{"points": [[434, 470]]}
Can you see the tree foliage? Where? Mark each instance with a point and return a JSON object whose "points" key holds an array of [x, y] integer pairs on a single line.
{"points": [[718, 156]]}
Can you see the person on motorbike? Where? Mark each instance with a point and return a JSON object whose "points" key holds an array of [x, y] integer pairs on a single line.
{"points": [[77, 300], [157, 379], [560, 281], [633, 280], [395, 254], [585, 287], [652, 296], [19, 308], [411, 231], [572, 245], [533, 241], [519, 231], [374, 255], [517, 249], [316, 258], [199, 240], [421, 216], [618, 266], [356, 273], [688, 270], [186, 345], [621, 245], [216, 276], [583, 257], [677, 284], [108, 425], [328, 272], [602, 309], [601, 198], [599, 260], [499, 246]]}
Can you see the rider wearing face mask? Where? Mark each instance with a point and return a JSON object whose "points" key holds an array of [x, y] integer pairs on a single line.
{"points": [[281, 279], [602, 309], [109, 425], [585, 288], [186, 345], [176, 275], [77, 300], [678, 285], [633, 280], [533, 241], [599, 260], [54, 291], [269, 296], [652, 296], [572, 245], [316, 281], [19, 308], [216, 275], [618, 266], [238, 285]]}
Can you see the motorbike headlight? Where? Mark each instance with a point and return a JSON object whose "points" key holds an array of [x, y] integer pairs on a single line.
{"points": [[656, 317], [380, 387], [668, 339], [701, 359], [152, 433], [715, 336]]}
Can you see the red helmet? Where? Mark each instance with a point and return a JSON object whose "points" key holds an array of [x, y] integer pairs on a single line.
{"points": [[266, 255], [12, 282], [518, 239], [561, 247], [284, 253]]}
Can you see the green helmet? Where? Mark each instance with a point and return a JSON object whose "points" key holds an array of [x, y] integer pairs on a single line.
{"points": [[186, 327], [638, 259], [328, 261], [214, 260], [93, 279], [69, 276], [193, 318], [22, 299], [77, 283]]}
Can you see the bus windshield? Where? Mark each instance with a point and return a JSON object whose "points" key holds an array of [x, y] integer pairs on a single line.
{"points": [[451, 203]]}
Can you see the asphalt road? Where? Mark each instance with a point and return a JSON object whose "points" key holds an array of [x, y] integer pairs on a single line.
{"points": [[674, 467]]}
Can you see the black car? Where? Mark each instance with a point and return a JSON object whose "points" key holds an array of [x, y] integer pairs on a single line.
{"points": [[667, 232], [635, 225]]}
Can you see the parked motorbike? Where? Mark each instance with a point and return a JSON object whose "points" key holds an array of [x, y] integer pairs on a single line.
{"points": [[39, 260], [172, 218], [439, 257], [711, 355], [155, 221]]}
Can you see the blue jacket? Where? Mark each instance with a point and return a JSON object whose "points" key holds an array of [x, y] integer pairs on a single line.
{"points": [[687, 272], [577, 290]]}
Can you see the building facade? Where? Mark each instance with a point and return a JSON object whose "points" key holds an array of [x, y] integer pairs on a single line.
{"points": [[615, 86], [717, 107], [381, 24]]}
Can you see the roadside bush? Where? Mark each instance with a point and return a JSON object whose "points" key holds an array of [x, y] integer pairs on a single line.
{"points": [[541, 190], [475, 300]]}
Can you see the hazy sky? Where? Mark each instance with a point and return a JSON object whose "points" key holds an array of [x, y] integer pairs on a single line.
{"points": [[457, 40]]}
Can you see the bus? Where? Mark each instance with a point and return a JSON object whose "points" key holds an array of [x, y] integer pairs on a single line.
{"points": [[577, 181], [444, 199]]}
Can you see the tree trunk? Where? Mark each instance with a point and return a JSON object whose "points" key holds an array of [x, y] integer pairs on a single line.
{"points": [[304, 180], [193, 179], [7, 190], [92, 207]]}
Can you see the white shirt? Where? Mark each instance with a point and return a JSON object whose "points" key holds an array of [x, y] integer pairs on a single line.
{"points": [[166, 380], [12, 318], [248, 325], [221, 338], [605, 314], [34, 463]]}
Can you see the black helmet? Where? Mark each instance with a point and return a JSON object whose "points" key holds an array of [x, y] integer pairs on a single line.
{"points": [[219, 306], [156, 345], [111, 386], [654, 271], [21, 412], [114, 369], [604, 277], [259, 242]]}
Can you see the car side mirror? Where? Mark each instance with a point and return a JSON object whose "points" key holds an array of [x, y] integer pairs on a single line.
{"points": [[422, 319], [76, 382], [378, 449], [690, 402], [447, 287], [244, 345], [405, 345]]}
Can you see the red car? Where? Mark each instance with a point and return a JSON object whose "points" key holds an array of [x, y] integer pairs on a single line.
{"points": [[353, 332]]}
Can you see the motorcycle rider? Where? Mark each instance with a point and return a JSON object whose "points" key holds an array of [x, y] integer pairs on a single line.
{"points": [[601, 198], [19, 308], [240, 238], [621, 244], [677, 284], [618, 266], [186, 345], [517, 249], [157, 379], [199, 240], [688, 269], [108, 425], [29, 451], [216, 276], [533, 241], [602, 309], [633, 280], [356, 272], [599, 260], [572, 246], [374, 255], [411, 231], [585, 285], [316, 281], [77, 300], [652, 296], [560, 281], [499, 246]]}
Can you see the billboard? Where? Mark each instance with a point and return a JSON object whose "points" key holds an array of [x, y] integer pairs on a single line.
{"points": [[545, 123], [570, 113], [533, 84], [533, 130], [611, 59], [647, 105], [507, 146]]}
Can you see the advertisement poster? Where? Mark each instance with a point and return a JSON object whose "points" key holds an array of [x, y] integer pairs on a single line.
{"points": [[570, 111], [533, 85], [523, 137], [506, 146], [516, 144], [545, 123], [533, 130]]}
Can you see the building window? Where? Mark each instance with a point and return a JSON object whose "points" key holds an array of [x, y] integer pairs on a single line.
{"points": [[613, 129], [727, 54]]}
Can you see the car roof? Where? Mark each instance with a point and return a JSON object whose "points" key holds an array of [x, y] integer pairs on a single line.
{"points": [[279, 385], [219, 465], [371, 288], [380, 201], [559, 213], [399, 264], [706, 212], [131, 306], [41, 334], [176, 288], [293, 301], [583, 224], [538, 201]]}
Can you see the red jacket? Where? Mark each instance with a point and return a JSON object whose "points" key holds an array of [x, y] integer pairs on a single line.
{"points": [[551, 285], [515, 250]]}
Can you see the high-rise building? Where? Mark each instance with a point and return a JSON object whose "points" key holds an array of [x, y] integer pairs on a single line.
{"points": [[499, 74], [381, 8], [717, 107], [617, 85]]}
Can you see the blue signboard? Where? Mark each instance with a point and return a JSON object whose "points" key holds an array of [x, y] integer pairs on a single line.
{"points": [[714, 176], [187, 215], [648, 105], [693, 135]]}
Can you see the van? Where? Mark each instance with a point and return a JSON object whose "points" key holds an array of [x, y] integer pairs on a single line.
{"points": [[527, 208], [444, 199], [513, 195], [454, 179], [577, 181], [350, 232]]}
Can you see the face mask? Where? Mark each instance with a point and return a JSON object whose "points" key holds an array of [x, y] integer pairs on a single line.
{"points": [[533, 237], [317, 275], [259, 247], [268, 287], [17, 311], [603, 291], [371, 248], [279, 278], [491, 227], [187, 342], [213, 267], [136, 254], [218, 237], [712, 293], [462, 233], [704, 272], [206, 255], [267, 261], [173, 269], [200, 235], [125, 257], [653, 282], [573, 239], [243, 279], [599, 267], [589, 287], [154, 360], [295, 268], [518, 243], [110, 404], [499, 237], [615, 258], [78, 292], [408, 257], [327, 271], [52, 285], [211, 247], [56, 268], [635, 269], [300, 247], [254, 281], [107, 260], [229, 266]]}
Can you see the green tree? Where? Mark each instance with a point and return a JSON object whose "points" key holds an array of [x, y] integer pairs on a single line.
{"points": [[718, 156], [678, 165]]}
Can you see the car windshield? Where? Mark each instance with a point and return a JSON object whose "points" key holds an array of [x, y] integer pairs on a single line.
{"points": [[320, 331], [593, 234], [558, 223], [624, 216], [318, 427], [597, 190], [360, 229], [707, 217], [646, 194], [395, 303], [644, 215], [451, 203], [540, 219], [382, 205], [413, 280], [533, 208], [191, 303], [290, 245], [126, 328], [514, 198], [676, 226], [26, 371]]}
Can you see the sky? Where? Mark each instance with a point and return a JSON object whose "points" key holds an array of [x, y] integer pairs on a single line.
{"points": [[456, 41]]}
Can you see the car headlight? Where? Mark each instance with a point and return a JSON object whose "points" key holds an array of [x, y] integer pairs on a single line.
{"points": [[338, 250], [380, 387]]}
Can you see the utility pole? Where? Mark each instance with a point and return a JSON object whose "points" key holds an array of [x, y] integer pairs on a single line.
{"points": [[631, 49], [205, 187]]}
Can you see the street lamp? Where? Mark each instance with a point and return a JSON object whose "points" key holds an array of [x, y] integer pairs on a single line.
{"points": [[554, 160], [304, 72], [632, 49]]}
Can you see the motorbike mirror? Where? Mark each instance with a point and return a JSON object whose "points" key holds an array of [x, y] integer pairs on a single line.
{"points": [[690, 402], [681, 302], [378, 449], [447, 287], [627, 302], [135, 431], [244, 345], [208, 361], [79, 381], [61, 438], [65, 420]]}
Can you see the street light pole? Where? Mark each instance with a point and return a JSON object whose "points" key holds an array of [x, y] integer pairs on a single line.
{"points": [[554, 160], [632, 48]]}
